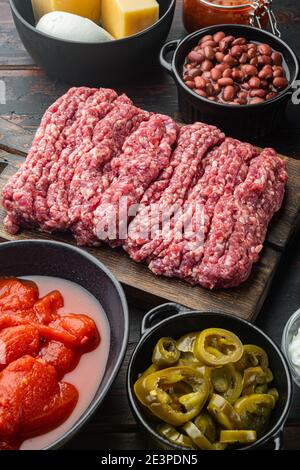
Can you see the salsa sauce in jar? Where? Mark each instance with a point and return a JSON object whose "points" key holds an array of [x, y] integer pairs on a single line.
{"points": [[198, 14]]}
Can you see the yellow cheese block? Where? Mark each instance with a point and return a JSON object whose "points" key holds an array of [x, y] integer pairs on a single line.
{"points": [[87, 8], [122, 18]]}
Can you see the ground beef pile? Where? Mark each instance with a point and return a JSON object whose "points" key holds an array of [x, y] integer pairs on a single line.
{"points": [[198, 204]]}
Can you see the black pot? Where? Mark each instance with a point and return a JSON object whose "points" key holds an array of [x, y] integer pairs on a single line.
{"points": [[92, 64], [47, 258], [245, 122], [179, 322]]}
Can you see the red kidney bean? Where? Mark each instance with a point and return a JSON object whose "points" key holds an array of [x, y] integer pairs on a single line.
{"points": [[206, 65], [276, 58], [220, 56], [206, 74], [196, 57], [190, 84], [209, 52], [260, 93], [230, 60], [192, 73], [278, 71], [238, 75], [222, 67], [251, 53], [246, 86], [241, 100], [201, 93], [236, 51], [256, 100], [243, 95], [243, 58], [228, 93], [208, 37], [219, 36], [208, 44], [217, 88], [239, 42], [264, 60], [271, 95], [249, 70], [265, 49], [254, 82], [223, 46], [200, 82], [280, 83], [254, 61], [225, 81], [266, 72], [215, 74], [264, 84], [209, 89], [227, 73]]}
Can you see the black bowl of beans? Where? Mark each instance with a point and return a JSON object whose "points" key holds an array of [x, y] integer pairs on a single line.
{"points": [[236, 77]]}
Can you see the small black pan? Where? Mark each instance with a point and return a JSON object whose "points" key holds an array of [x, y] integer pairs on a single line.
{"points": [[244, 122], [172, 320], [49, 258]]}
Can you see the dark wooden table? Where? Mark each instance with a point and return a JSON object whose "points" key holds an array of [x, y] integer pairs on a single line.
{"points": [[30, 91]]}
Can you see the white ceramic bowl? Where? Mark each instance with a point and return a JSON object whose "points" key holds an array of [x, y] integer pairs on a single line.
{"points": [[290, 330]]}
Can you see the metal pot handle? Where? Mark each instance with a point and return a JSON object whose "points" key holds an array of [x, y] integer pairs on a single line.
{"points": [[166, 49], [160, 313], [278, 441]]}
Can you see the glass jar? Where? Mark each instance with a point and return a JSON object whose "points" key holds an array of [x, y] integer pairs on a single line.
{"points": [[198, 14]]}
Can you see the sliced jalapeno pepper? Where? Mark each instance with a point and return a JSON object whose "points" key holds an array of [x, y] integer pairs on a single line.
{"points": [[217, 347], [175, 437], [188, 359], [186, 342], [253, 356], [223, 412], [207, 426], [253, 377], [158, 392], [254, 411], [240, 437], [165, 353], [274, 393], [197, 436], [227, 382]]}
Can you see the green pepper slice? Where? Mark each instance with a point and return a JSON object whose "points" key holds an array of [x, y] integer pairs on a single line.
{"points": [[253, 377], [240, 437], [197, 436], [253, 356], [159, 392], [255, 410], [223, 412], [186, 342], [274, 392], [227, 382], [165, 353], [175, 437], [217, 347], [207, 426]]}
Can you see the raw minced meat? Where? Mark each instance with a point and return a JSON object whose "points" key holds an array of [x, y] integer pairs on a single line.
{"points": [[95, 150]]}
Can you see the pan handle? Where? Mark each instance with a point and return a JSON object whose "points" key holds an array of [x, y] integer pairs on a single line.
{"points": [[160, 313], [168, 47]]}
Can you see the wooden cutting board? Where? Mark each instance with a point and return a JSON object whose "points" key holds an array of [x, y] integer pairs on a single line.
{"points": [[244, 301]]}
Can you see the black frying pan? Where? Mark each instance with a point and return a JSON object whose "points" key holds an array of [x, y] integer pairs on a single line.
{"points": [[49, 258]]}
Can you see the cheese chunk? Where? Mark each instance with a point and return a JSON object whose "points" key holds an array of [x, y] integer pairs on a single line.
{"points": [[70, 27], [122, 18], [90, 9]]}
